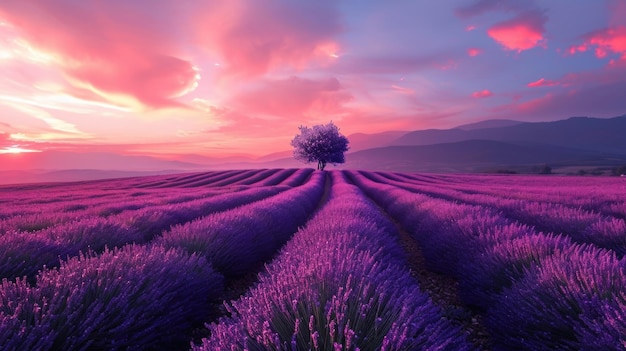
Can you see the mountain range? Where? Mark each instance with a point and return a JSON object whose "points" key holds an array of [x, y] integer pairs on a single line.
{"points": [[483, 146], [492, 145]]}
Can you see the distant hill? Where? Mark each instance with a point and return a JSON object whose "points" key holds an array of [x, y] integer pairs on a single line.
{"points": [[474, 156], [362, 141], [477, 147], [492, 123], [596, 134]]}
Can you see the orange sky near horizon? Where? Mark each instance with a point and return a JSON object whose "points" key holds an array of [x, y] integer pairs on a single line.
{"points": [[237, 77]]}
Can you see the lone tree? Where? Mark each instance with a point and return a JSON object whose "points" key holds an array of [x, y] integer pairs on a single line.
{"points": [[321, 143]]}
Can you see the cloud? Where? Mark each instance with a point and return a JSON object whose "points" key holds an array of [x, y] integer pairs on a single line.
{"points": [[253, 37], [482, 94], [472, 52], [523, 32], [294, 97], [598, 101], [10, 146], [604, 42], [116, 49], [542, 82], [597, 93]]}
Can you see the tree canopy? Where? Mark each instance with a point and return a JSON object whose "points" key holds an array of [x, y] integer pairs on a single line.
{"points": [[321, 143]]}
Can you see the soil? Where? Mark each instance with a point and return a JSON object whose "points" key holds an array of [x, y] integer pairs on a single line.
{"points": [[443, 291]]}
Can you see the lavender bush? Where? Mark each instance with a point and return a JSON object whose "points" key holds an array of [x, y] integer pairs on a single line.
{"points": [[125, 299], [24, 254], [152, 221], [237, 241], [338, 284], [299, 177], [573, 301], [503, 264], [583, 226], [276, 178]]}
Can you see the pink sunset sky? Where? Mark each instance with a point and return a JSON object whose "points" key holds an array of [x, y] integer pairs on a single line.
{"points": [[232, 77]]}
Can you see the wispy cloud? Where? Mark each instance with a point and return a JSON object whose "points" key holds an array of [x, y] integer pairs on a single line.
{"points": [[104, 50], [482, 94], [542, 82], [60, 128]]}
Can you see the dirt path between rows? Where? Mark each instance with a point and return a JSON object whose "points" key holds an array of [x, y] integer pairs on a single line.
{"points": [[236, 288], [443, 290]]}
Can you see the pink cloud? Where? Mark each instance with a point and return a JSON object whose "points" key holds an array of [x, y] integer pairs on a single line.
{"points": [[542, 82], [472, 52], [523, 32], [604, 42], [597, 93], [598, 101], [482, 94], [112, 48], [294, 97], [253, 37], [609, 40]]}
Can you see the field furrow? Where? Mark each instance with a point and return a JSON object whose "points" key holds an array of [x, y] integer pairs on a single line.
{"points": [[442, 289], [519, 278], [298, 259], [581, 225], [340, 282]]}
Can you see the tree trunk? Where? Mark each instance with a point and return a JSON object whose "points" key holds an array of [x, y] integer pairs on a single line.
{"points": [[321, 165]]}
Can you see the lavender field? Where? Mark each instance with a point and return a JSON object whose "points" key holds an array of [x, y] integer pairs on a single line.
{"points": [[297, 259]]}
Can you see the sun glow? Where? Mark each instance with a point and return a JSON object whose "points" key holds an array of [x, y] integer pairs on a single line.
{"points": [[16, 150]]}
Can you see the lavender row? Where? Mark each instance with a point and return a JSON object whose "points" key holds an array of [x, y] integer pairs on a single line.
{"points": [[179, 180], [276, 178], [339, 284], [538, 292], [133, 298], [59, 197], [254, 176], [581, 225], [266, 177], [23, 254], [298, 177], [31, 218], [238, 241], [599, 194]]}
